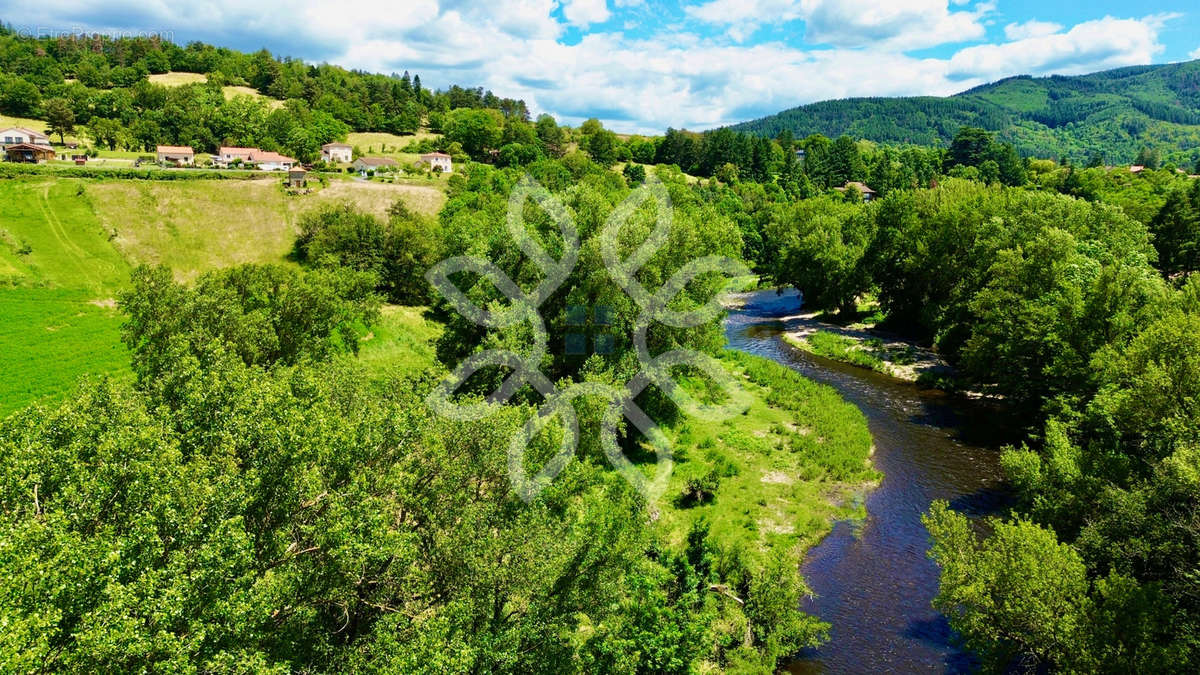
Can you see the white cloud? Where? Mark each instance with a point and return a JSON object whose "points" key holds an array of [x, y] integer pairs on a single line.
{"points": [[1031, 28], [896, 25], [1195, 53], [1089, 46], [584, 13], [634, 84]]}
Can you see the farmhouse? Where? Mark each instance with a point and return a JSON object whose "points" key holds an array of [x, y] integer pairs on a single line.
{"points": [[176, 155], [364, 164], [867, 193], [337, 152], [28, 153], [227, 155], [272, 161], [13, 135], [438, 161]]}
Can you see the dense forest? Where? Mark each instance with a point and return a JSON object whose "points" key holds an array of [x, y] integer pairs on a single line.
{"points": [[1114, 113]]}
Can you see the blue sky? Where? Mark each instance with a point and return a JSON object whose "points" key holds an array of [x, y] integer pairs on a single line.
{"points": [[644, 65]]}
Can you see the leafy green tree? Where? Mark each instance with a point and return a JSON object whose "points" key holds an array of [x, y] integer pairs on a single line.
{"points": [[602, 147], [1176, 230], [635, 174], [845, 162], [476, 130], [1017, 596], [971, 146], [820, 249], [262, 314], [60, 118]]}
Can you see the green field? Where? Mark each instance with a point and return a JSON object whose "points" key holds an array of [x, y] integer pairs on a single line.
{"points": [[67, 246], [402, 342], [51, 337]]}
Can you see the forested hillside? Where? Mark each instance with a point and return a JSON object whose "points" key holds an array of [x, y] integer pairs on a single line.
{"points": [[104, 86], [1114, 113]]}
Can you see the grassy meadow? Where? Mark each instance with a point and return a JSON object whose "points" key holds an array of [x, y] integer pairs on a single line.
{"points": [[67, 246], [793, 459]]}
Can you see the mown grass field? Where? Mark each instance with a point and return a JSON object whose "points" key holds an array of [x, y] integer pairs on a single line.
{"points": [[51, 337]]}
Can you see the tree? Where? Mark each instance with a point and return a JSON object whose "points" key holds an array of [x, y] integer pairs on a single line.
{"points": [[477, 130], [845, 162], [1148, 158], [551, 136], [602, 147], [60, 118], [635, 174], [1018, 595], [971, 146]]}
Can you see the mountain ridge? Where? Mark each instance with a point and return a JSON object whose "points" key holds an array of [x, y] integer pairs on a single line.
{"points": [[1114, 112]]}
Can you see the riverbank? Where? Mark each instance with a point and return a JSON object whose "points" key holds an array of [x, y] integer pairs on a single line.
{"points": [[870, 578]]}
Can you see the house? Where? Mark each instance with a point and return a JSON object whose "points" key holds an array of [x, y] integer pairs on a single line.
{"points": [[28, 153], [249, 157], [374, 164], [438, 161], [227, 155], [1137, 168], [867, 193], [297, 178], [337, 152], [13, 135], [272, 161], [79, 160], [176, 155]]}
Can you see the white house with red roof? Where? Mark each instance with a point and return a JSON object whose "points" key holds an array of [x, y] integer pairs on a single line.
{"points": [[252, 157], [337, 152], [177, 155], [438, 161]]}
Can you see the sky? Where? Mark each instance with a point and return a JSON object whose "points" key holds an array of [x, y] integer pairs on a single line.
{"points": [[641, 66]]}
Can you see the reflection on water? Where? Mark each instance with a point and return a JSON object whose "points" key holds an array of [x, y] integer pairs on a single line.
{"points": [[873, 581]]}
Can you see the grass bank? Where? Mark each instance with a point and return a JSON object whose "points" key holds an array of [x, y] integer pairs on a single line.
{"points": [[792, 460]]}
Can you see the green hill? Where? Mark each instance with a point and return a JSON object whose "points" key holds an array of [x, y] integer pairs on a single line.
{"points": [[1116, 112]]}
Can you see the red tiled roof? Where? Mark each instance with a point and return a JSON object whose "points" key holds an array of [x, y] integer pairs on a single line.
{"points": [[29, 146], [377, 161], [335, 145], [262, 156], [175, 149], [434, 154]]}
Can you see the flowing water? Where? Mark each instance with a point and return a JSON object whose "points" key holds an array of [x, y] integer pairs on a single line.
{"points": [[873, 581]]}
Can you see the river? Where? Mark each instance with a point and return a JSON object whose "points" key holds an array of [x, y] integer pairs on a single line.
{"points": [[873, 581]]}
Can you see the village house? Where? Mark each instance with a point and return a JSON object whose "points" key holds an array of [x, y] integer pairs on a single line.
{"points": [[14, 135], [227, 155], [297, 178], [337, 152], [272, 161], [28, 153], [438, 161], [867, 193], [176, 155], [366, 164], [265, 160]]}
